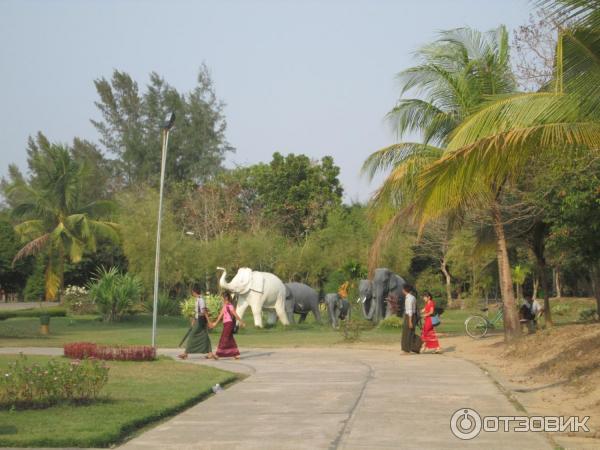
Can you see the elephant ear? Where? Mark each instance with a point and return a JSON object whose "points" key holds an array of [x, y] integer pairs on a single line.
{"points": [[257, 282], [394, 283]]}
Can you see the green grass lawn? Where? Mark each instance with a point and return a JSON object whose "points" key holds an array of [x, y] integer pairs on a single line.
{"points": [[137, 394], [24, 332]]}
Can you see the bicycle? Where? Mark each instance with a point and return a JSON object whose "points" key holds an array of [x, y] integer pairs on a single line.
{"points": [[477, 325]]}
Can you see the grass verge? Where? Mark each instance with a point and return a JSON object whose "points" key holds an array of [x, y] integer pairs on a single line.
{"points": [[137, 394]]}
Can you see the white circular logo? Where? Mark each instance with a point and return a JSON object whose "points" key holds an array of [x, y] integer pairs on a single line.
{"points": [[465, 424]]}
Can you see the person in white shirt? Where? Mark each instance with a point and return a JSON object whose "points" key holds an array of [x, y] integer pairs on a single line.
{"points": [[530, 311], [197, 338], [408, 328]]}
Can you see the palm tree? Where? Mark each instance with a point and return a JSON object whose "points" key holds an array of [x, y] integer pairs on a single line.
{"points": [[456, 74], [494, 145], [54, 223]]}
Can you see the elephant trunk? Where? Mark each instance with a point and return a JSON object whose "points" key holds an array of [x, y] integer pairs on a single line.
{"points": [[223, 280]]}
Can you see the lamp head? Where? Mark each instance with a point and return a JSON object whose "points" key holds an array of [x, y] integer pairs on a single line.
{"points": [[169, 121]]}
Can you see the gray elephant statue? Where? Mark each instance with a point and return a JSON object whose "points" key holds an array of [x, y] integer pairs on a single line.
{"points": [[301, 299], [385, 285], [338, 308], [365, 291]]}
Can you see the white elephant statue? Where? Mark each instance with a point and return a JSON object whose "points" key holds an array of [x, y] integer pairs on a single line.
{"points": [[259, 290]]}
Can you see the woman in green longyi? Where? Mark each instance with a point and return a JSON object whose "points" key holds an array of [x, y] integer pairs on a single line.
{"points": [[198, 340]]}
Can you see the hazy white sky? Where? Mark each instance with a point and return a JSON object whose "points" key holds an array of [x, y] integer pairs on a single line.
{"points": [[304, 76]]}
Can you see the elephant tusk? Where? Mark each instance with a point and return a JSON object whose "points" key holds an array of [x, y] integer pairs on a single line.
{"points": [[361, 299]]}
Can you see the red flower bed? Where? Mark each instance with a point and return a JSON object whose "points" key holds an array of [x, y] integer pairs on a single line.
{"points": [[81, 350]]}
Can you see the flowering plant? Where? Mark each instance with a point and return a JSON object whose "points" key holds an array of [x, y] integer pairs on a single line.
{"points": [[82, 350], [78, 301], [37, 386]]}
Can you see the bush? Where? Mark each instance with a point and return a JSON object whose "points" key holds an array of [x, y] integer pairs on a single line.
{"points": [[82, 350], [35, 287], [351, 329], [165, 306], [561, 309], [114, 293], [431, 280], [214, 303], [587, 315], [78, 301], [36, 386], [53, 311], [392, 322]]}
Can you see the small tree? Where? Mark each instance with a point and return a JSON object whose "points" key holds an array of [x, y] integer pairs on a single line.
{"points": [[114, 293]]}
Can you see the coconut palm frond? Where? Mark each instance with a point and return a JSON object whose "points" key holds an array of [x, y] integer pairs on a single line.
{"points": [[32, 248], [396, 154]]}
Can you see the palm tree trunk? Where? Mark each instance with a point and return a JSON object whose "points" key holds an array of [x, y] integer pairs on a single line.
{"points": [[512, 327]]}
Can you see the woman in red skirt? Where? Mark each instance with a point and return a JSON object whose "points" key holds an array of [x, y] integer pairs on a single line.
{"points": [[227, 346], [428, 334]]}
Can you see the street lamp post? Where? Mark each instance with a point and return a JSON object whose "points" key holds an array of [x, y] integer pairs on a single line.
{"points": [[166, 127]]}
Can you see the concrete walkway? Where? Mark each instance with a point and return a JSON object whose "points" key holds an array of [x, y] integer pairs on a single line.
{"points": [[338, 399]]}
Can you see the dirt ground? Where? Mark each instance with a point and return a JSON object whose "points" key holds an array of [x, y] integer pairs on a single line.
{"points": [[552, 372]]}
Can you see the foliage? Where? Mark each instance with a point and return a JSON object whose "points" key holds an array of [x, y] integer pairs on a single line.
{"points": [[165, 306], [56, 220], [431, 280], [187, 308], [391, 323], [589, 314], [77, 300], [114, 293], [105, 424], [35, 386], [351, 329], [52, 311], [130, 126], [137, 220], [84, 350], [214, 303], [12, 278], [35, 287]]}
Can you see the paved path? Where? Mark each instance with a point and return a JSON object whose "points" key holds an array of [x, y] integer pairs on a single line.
{"points": [[338, 399]]}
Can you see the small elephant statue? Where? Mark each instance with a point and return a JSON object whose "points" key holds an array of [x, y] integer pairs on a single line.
{"points": [[338, 308], [301, 299]]}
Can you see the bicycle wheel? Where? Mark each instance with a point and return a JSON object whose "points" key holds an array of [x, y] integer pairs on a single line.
{"points": [[476, 326]]}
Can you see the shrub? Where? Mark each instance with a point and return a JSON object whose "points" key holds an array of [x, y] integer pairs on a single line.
{"points": [[351, 329], [561, 309], [78, 301], [392, 322], [82, 350], [36, 386], [431, 280], [214, 303], [35, 287], [587, 315], [114, 293], [53, 311], [165, 305]]}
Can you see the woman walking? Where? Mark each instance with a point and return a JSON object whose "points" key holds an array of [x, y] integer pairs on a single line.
{"points": [[198, 340], [227, 347], [428, 334]]}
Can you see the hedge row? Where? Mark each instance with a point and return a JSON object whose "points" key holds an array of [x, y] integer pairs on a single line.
{"points": [[82, 350], [52, 311]]}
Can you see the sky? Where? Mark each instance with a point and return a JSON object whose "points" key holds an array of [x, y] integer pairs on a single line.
{"points": [[304, 76]]}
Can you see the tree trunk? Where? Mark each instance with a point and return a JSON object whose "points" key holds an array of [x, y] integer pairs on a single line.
{"points": [[444, 268], [557, 282], [536, 285], [512, 327], [595, 276]]}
